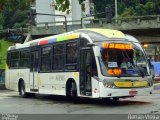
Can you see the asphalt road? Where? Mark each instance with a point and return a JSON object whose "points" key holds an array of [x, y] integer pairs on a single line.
{"points": [[58, 107]]}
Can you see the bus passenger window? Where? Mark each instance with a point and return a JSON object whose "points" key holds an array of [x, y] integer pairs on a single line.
{"points": [[46, 59], [71, 50], [15, 59], [8, 59], [58, 57], [24, 58]]}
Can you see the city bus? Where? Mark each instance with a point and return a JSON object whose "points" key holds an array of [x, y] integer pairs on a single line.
{"points": [[90, 63]]}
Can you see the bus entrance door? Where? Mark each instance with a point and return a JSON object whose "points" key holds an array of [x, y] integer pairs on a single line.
{"points": [[85, 72], [34, 71]]}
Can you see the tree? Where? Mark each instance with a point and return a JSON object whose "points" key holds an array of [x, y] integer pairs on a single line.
{"points": [[63, 5], [1, 21], [140, 10], [125, 7], [150, 8], [2, 4], [14, 13]]}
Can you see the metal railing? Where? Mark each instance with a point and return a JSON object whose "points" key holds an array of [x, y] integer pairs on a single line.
{"points": [[86, 21], [13, 30], [122, 19]]}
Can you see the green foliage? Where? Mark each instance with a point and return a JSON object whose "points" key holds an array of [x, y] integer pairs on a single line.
{"points": [[150, 7], [13, 13], [126, 8], [140, 10], [128, 12], [63, 5], [1, 21], [4, 44], [19, 19]]}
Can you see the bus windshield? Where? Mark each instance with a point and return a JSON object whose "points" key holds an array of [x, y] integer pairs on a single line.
{"points": [[123, 60]]}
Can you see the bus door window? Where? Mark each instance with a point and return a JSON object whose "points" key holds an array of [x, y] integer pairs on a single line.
{"points": [[94, 66], [85, 72], [34, 61], [88, 71]]}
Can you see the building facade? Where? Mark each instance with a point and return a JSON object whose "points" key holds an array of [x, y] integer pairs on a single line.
{"points": [[48, 7]]}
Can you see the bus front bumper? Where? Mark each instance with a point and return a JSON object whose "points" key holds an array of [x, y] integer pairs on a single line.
{"points": [[126, 92]]}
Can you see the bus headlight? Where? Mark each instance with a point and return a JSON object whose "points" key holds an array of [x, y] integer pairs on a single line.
{"points": [[107, 85]]}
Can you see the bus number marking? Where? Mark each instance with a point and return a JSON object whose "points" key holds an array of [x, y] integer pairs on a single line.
{"points": [[20, 75], [60, 77]]}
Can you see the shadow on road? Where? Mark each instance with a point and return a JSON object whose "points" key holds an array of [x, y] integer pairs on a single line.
{"points": [[53, 99], [100, 102]]}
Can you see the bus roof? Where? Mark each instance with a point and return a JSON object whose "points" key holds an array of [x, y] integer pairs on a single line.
{"points": [[109, 33], [47, 40], [103, 33]]}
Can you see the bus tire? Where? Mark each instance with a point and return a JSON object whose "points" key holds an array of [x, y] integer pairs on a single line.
{"points": [[71, 92], [22, 90], [74, 92]]}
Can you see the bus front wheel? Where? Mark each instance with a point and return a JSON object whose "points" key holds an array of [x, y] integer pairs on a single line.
{"points": [[72, 92]]}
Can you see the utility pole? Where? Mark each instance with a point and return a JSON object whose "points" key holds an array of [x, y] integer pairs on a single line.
{"points": [[116, 15]]}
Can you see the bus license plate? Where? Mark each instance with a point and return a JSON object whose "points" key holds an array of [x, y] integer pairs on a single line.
{"points": [[133, 92]]}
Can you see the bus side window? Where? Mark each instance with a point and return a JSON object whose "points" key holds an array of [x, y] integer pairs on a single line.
{"points": [[58, 57], [15, 59], [71, 55], [46, 59], [71, 50], [8, 59], [24, 58]]}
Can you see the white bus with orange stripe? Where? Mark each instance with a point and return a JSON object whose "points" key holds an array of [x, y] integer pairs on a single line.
{"points": [[94, 63]]}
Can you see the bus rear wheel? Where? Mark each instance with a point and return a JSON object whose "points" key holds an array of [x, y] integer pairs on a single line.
{"points": [[22, 90]]}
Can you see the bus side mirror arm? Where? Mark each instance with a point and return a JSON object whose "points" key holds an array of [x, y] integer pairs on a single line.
{"points": [[151, 68], [91, 44], [150, 64], [97, 51]]}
